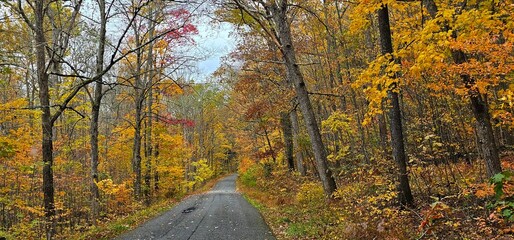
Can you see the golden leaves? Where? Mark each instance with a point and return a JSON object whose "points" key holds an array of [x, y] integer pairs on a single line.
{"points": [[376, 80], [484, 190]]}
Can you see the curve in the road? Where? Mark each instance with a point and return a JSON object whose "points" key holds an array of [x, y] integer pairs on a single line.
{"points": [[221, 213]]}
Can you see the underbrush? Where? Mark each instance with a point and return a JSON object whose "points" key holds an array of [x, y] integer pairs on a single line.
{"points": [[458, 205]]}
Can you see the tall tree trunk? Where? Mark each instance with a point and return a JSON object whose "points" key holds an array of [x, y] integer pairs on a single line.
{"points": [[397, 138], [149, 103], [288, 140], [139, 100], [296, 145], [295, 76], [136, 148], [156, 173], [268, 141], [486, 139], [95, 113], [46, 121]]}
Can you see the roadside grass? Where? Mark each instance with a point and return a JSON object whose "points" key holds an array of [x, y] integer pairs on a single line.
{"points": [[254, 203], [121, 224]]}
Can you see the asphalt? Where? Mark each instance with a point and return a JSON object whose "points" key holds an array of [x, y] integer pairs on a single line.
{"points": [[221, 213]]}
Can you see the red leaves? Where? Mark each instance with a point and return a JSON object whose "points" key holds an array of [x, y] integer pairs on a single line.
{"points": [[178, 26], [174, 121], [179, 13], [181, 33], [255, 111]]}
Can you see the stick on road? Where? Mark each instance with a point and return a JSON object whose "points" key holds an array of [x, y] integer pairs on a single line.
{"points": [[221, 213]]}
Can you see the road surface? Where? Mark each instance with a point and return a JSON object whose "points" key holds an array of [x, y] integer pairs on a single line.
{"points": [[221, 213]]}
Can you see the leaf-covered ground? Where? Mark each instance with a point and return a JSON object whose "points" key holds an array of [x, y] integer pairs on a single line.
{"points": [[452, 202]]}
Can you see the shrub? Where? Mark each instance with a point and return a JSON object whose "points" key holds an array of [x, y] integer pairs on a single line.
{"points": [[310, 193], [504, 194], [249, 177]]}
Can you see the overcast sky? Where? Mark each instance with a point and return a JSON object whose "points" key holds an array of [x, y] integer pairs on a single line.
{"points": [[213, 41]]}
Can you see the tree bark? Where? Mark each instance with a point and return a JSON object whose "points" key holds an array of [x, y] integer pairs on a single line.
{"points": [[397, 138], [486, 139], [95, 113], [136, 148], [272, 152], [288, 140], [139, 100], [296, 146], [149, 103], [279, 11], [46, 121]]}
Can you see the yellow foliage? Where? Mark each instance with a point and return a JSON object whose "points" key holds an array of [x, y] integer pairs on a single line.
{"points": [[310, 193], [376, 80], [118, 196], [203, 171]]}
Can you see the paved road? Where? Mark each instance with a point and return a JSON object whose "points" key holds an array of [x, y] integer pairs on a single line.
{"points": [[221, 213]]}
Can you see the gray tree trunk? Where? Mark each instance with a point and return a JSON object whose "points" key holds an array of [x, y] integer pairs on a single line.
{"points": [[296, 146], [288, 140], [46, 120], [139, 100], [279, 11], [149, 103], [397, 138], [95, 113]]}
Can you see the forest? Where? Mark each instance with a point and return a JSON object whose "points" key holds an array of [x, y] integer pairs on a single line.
{"points": [[345, 119]]}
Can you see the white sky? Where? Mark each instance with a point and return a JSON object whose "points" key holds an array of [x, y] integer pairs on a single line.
{"points": [[213, 42]]}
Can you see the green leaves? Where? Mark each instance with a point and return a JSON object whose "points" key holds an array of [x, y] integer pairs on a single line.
{"points": [[6, 150], [498, 181], [504, 197]]}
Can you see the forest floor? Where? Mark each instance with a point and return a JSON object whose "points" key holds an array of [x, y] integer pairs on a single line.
{"points": [[460, 205], [111, 228]]}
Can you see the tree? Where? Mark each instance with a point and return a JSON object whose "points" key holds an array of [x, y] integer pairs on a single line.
{"points": [[48, 119], [287, 131], [271, 18], [95, 112], [297, 152], [395, 115], [478, 100]]}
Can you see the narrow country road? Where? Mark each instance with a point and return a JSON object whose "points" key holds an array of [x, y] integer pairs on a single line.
{"points": [[221, 213]]}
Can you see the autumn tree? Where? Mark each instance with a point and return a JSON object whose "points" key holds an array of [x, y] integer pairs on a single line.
{"points": [[395, 116], [462, 55], [48, 119], [95, 111], [273, 20]]}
